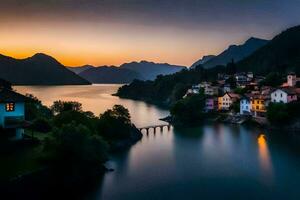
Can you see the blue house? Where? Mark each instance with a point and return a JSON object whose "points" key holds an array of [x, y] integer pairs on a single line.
{"points": [[245, 106], [12, 113]]}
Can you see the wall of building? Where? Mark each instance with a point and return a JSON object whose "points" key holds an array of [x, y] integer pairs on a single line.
{"points": [[245, 106], [279, 96], [18, 112]]}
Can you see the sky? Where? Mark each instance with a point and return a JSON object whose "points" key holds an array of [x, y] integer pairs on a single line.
{"points": [[112, 32]]}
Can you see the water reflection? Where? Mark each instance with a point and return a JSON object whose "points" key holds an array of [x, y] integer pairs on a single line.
{"points": [[215, 161], [264, 157]]}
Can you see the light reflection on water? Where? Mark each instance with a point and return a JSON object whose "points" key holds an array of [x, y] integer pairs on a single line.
{"points": [[264, 157], [213, 161]]}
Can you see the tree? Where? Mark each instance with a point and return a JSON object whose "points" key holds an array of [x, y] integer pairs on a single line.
{"points": [[67, 117], [74, 146], [115, 124], [179, 91], [231, 68], [273, 79], [231, 81], [61, 106], [34, 109], [5, 84], [189, 110], [41, 125], [277, 114]]}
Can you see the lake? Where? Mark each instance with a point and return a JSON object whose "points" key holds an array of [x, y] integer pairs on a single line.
{"points": [[213, 161]]}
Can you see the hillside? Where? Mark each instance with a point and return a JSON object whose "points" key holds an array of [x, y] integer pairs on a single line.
{"points": [[80, 69], [281, 54], [107, 74], [236, 52], [39, 69], [149, 70], [203, 60]]}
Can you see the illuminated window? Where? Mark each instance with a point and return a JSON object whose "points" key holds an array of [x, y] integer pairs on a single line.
{"points": [[10, 107]]}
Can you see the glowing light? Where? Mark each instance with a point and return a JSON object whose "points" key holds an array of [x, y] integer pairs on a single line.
{"points": [[264, 156]]}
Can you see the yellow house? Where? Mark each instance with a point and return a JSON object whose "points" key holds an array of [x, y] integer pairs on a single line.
{"points": [[258, 104], [227, 100]]}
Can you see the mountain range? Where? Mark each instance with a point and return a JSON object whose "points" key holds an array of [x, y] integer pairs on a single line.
{"points": [[233, 52], [281, 54], [39, 69], [125, 73], [110, 74]]}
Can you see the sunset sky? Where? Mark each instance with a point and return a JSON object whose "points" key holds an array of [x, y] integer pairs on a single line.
{"points": [[111, 32]]}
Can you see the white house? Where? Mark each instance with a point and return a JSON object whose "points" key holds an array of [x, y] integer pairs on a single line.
{"points": [[283, 95], [226, 88], [245, 106], [211, 90], [12, 113]]}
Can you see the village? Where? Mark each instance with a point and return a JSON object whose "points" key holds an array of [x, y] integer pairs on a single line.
{"points": [[244, 96]]}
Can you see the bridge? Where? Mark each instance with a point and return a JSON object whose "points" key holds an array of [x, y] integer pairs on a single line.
{"points": [[154, 127]]}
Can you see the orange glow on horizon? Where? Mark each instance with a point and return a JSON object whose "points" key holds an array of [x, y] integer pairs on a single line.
{"points": [[81, 43]]}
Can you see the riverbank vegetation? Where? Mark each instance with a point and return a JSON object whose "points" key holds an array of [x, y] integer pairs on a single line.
{"points": [[64, 140], [188, 111], [282, 115], [168, 89]]}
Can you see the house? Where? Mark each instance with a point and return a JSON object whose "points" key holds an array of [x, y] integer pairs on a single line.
{"points": [[259, 104], [250, 76], [211, 103], [241, 79], [12, 113], [284, 95], [211, 90], [226, 88], [194, 90], [245, 106], [226, 101]]}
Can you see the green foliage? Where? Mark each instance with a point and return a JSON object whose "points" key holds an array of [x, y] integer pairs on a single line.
{"points": [[280, 55], [41, 125], [75, 146], [277, 113], [179, 91], [189, 110], [231, 81], [240, 90], [67, 117], [273, 79], [34, 109], [280, 114], [235, 107], [115, 124], [62, 106], [166, 89], [231, 68]]}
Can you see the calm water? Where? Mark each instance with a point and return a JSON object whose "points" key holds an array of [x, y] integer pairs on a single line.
{"points": [[209, 162]]}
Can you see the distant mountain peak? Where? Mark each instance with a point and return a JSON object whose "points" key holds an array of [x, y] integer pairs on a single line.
{"points": [[236, 52], [203, 60], [40, 69], [44, 58]]}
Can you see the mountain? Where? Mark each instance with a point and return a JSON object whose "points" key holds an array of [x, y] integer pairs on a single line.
{"points": [[149, 70], [236, 52], [107, 74], [39, 69], [281, 54], [203, 60], [77, 70]]}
